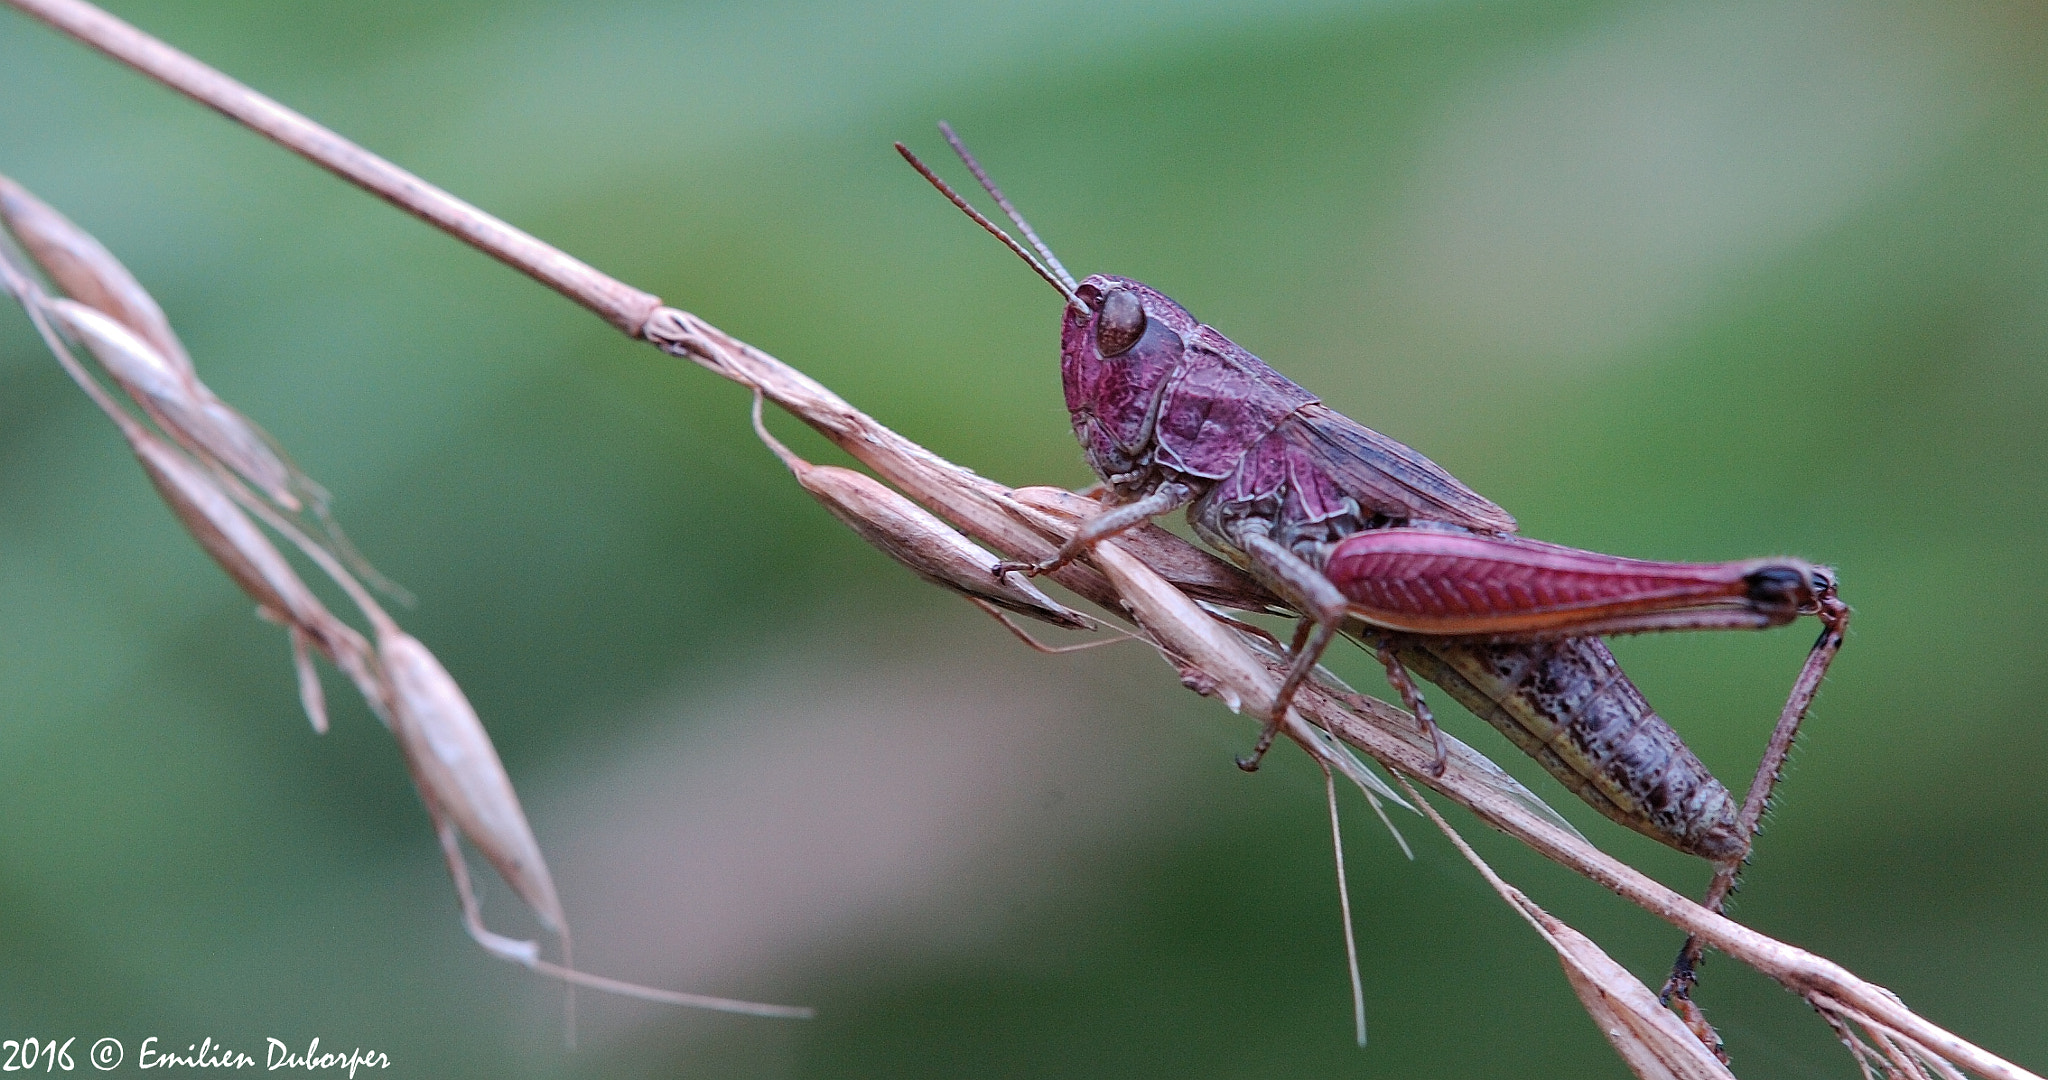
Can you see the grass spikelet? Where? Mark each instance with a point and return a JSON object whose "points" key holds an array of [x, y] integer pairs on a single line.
{"points": [[458, 770], [153, 366], [241, 549], [907, 533], [225, 532], [85, 270], [179, 403]]}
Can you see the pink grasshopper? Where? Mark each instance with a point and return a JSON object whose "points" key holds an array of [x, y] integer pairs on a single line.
{"points": [[1360, 534]]}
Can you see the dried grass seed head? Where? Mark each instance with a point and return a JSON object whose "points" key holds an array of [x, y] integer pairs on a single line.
{"points": [[458, 770], [1192, 635], [1654, 1043], [240, 547], [251, 453], [929, 547], [1650, 1039], [911, 535], [149, 376], [161, 377], [177, 400], [227, 534], [83, 269]]}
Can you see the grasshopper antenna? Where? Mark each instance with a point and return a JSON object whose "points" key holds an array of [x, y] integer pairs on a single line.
{"points": [[946, 189], [996, 193]]}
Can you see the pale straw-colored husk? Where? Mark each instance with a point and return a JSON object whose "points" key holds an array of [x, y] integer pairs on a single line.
{"points": [[178, 401], [911, 535], [86, 271], [458, 770]]}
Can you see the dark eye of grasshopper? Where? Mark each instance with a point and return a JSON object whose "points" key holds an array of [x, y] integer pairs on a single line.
{"points": [[1122, 322]]}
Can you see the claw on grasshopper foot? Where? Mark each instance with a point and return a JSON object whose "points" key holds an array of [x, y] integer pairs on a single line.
{"points": [[1258, 754]]}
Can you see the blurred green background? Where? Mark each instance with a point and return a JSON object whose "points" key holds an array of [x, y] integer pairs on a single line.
{"points": [[1671, 280]]}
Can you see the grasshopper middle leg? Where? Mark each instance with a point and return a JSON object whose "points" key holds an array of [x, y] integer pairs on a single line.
{"points": [[1323, 610]]}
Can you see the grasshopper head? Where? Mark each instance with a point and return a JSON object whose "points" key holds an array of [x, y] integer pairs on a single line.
{"points": [[1118, 352]]}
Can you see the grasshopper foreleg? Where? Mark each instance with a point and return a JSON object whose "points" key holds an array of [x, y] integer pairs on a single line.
{"points": [[1165, 498]]}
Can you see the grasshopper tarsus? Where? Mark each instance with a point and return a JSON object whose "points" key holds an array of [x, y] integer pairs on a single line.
{"points": [[1250, 762], [1677, 996]]}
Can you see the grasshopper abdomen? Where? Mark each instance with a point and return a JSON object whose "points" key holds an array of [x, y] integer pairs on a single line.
{"points": [[1567, 704]]}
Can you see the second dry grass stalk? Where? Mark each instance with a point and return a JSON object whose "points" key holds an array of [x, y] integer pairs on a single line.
{"points": [[220, 474]]}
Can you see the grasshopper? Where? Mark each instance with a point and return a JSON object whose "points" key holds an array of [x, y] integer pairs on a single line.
{"points": [[1362, 535]]}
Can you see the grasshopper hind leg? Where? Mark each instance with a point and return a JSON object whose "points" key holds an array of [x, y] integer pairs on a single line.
{"points": [[1834, 617], [1411, 699]]}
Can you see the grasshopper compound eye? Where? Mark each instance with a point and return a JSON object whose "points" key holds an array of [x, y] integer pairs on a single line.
{"points": [[1122, 322]]}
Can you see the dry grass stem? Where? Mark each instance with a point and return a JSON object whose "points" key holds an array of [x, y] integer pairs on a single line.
{"points": [[1344, 907], [618, 304], [1212, 655]]}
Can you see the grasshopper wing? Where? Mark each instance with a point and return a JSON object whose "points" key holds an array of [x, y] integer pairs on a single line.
{"points": [[1387, 477]]}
